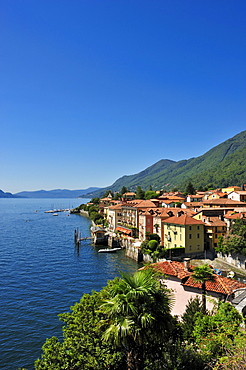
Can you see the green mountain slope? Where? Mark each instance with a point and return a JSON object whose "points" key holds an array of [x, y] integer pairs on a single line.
{"points": [[221, 165], [230, 171]]}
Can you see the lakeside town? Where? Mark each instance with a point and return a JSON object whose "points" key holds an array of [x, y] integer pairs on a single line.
{"points": [[172, 313], [174, 230]]}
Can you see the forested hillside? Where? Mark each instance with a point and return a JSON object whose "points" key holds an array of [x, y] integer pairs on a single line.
{"points": [[220, 166]]}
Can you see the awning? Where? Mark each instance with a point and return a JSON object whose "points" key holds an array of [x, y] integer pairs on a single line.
{"points": [[122, 230]]}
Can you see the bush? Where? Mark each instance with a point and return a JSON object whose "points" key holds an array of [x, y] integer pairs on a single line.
{"points": [[153, 244]]}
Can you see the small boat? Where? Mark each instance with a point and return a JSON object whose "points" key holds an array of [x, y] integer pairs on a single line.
{"points": [[108, 250], [55, 214]]}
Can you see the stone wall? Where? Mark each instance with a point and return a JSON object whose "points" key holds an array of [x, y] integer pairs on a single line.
{"points": [[134, 253], [238, 260]]}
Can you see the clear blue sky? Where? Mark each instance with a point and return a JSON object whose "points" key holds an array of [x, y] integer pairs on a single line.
{"points": [[92, 90]]}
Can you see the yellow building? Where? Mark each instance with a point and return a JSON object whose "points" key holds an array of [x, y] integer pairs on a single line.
{"points": [[230, 189], [184, 231], [214, 226]]}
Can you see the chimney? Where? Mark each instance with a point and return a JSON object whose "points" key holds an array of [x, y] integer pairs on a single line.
{"points": [[187, 264]]}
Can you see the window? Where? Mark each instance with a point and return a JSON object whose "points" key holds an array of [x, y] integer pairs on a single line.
{"points": [[198, 227], [180, 237], [190, 236], [190, 247], [175, 245], [198, 236], [189, 227], [198, 247]]}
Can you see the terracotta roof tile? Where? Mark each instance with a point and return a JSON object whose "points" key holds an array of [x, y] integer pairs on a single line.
{"points": [[222, 201], [235, 216], [172, 268], [195, 196], [215, 221], [183, 220], [193, 204], [146, 204], [220, 284], [116, 206]]}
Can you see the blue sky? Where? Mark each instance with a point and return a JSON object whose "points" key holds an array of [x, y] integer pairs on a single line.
{"points": [[92, 90]]}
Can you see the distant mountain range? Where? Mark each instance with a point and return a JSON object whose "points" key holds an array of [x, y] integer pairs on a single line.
{"points": [[7, 195], [57, 193], [223, 165]]}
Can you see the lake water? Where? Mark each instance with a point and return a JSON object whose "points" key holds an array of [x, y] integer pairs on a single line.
{"points": [[42, 274]]}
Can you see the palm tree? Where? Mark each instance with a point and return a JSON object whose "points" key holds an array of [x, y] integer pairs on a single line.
{"points": [[138, 315], [202, 274]]}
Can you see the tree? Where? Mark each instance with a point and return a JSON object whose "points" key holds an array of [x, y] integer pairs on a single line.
{"points": [[239, 228], [150, 194], [123, 190], [202, 274], [95, 201], [235, 357], [139, 193], [153, 244], [189, 317], [216, 334], [190, 189], [174, 190], [235, 241], [138, 316], [117, 196], [154, 237], [107, 193], [82, 346]]}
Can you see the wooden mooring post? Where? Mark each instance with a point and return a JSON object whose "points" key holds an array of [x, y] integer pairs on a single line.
{"points": [[76, 236]]}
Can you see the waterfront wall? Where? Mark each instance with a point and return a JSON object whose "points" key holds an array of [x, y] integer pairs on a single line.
{"points": [[238, 260], [84, 213], [134, 253]]}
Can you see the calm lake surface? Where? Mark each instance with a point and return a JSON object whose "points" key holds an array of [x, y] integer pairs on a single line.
{"points": [[42, 274]]}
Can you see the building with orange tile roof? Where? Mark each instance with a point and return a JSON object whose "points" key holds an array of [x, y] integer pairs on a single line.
{"points": [[151, 220], [113, 215], [178, 278], [239, 195], [195, 206], [214, 227], [194, 198], [129, 196], [230, 189], [222, 202], [217, 195], [185, 232]]}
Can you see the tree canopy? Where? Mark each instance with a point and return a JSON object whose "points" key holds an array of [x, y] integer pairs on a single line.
{"points": [[128, 326], [201, 274], [235, 241]]}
